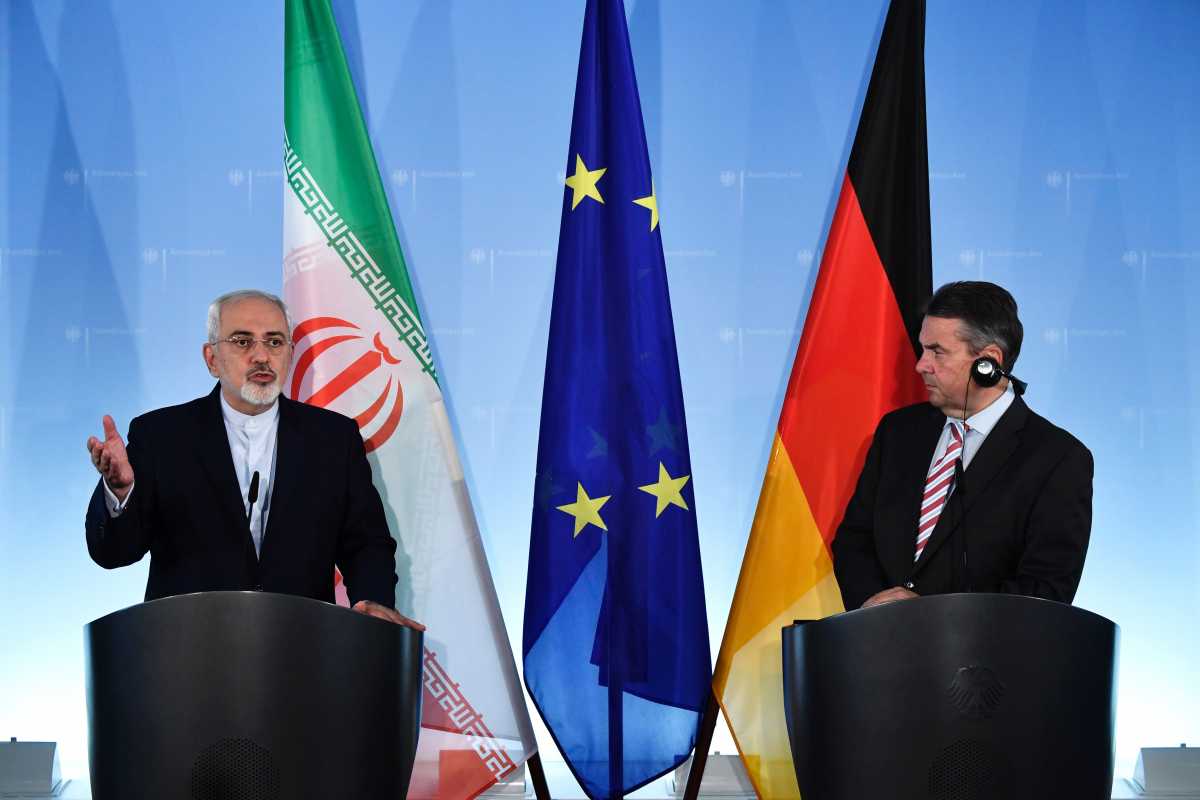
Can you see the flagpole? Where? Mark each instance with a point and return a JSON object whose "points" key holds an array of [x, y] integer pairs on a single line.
{"points": [[536, 772], [616, 777], [704, 734], [616, 711]]}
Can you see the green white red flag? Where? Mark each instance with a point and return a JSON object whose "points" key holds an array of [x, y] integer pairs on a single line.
{"points": [[361, 349]]}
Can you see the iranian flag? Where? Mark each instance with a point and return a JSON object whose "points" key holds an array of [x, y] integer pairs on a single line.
{"points": [[361, 349]]}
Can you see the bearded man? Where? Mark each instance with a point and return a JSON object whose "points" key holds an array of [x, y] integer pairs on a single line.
{"points": [[244, 489]]}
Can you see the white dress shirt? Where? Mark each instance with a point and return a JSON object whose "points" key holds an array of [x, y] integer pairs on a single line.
{"points": [[979, 425], [252, 443]]}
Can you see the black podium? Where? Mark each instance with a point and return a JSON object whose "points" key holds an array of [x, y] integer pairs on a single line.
{"points": [[250, 696], [953, 697]]}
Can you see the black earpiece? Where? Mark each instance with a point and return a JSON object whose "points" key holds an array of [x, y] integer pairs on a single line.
{"points": [[986, 372]]}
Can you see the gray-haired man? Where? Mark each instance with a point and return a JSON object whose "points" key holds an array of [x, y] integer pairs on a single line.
{"points": [[182, 488]]}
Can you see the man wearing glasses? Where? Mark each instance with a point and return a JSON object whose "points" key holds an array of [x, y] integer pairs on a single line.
{"points": [[244, 489]]}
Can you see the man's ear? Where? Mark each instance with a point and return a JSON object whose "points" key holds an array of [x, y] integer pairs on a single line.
{"points": [[994, 352], [210, 358]]}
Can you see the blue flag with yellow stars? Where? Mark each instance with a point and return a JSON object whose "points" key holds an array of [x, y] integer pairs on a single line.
{"points": [[616, 637]]}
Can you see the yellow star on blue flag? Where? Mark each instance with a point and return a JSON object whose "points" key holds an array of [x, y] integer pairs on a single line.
{"points": [[583, 183], [666, 490], [585, 510], [650, 202]]}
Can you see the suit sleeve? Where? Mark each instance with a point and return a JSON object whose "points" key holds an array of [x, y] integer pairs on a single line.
{"points": [[366, 551], [1060, 525], [855, 562], [119, 541]]}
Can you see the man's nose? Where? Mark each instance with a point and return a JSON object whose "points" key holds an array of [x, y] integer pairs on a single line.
{"points": [[923, 364]]}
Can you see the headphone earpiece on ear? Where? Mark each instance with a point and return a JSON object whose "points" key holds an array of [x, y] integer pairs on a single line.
{"points": [[986, 372]]}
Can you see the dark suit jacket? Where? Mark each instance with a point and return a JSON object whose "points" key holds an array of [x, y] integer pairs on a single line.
{"points": [[187, 510], [1018, 522]]}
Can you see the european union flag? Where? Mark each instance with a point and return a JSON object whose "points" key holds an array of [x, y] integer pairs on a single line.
{"points": [[616, 637]]}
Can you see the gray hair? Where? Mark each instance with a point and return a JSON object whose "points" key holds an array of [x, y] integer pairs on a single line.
{"points": [[216, 306]]}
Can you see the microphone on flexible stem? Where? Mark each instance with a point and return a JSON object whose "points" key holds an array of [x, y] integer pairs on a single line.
{"points": [[252, 495]]}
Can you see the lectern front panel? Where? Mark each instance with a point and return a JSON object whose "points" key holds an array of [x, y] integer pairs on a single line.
{"points": [[953, 697], [250, 696]]}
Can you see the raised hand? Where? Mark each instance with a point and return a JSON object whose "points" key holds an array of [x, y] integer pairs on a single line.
{"points": [[110, 459]]}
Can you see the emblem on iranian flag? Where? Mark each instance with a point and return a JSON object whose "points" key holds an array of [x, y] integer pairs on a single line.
{"points": [[340, 341]]}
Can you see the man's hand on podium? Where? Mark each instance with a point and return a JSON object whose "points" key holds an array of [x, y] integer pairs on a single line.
{"points": [[373, 609], [889, 596], [110, 459]]}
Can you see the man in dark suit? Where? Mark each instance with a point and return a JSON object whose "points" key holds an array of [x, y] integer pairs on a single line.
{"points": [[244, 489], [971, 491]]}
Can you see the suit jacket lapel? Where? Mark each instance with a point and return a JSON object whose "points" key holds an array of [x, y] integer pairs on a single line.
{"points": [[212, 445], [289, 467], [917, 453], [997, 448]]}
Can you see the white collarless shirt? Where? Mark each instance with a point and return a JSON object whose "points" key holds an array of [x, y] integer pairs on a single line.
{"points": [[252, 440]]}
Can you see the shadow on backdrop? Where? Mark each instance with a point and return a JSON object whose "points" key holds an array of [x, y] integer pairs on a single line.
{"points": [[1070, 197], [78, 351], [645, 39], [786, 149]]}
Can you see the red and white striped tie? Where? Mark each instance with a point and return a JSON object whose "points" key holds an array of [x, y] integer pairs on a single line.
{"points": [[937, 488]]}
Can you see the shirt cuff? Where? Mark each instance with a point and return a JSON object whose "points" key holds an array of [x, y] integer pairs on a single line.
{"points": [[114, 505]]}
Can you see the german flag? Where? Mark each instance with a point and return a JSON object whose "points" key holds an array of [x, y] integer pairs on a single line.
{"points": [[855, 363]]}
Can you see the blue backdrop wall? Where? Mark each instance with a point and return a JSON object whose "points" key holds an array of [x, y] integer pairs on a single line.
{"points": [[140, 155]]}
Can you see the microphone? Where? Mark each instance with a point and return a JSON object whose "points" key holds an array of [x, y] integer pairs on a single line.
{"points": [[252, 495]]}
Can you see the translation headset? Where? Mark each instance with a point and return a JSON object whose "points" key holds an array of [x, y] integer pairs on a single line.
{"points": [[986, 372]]}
